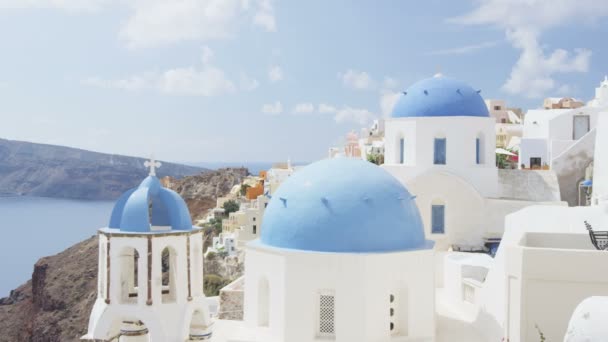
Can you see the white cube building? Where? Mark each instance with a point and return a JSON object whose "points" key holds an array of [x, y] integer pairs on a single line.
{"points": [[342, 257]]}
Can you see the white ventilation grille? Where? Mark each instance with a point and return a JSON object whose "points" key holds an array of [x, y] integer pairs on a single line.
{"points": [[327, 315]]}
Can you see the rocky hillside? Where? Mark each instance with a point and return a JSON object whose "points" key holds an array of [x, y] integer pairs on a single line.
{"points": [[54, 306], [202, 190], [63, 172]]}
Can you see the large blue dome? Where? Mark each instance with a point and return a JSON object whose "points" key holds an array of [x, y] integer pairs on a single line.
{"points": [[440, 96], [343, 205], [150, 205]]}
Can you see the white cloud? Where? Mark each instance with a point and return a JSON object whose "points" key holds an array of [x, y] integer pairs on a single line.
{"points": [[275, 73], [325, 108], [247, 83], [389, 83], [206, 55], [272, 108], [356, 115], [207, 81], [356, 79], [524, 21], [345, 114], [264, 16], [133, 83], [462, 50], [532, 75], [69, 5], [302, 108], [157, 22], [388, 99]]}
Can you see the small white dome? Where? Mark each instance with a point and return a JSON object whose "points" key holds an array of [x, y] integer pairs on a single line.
{"points": [[588, 322]]}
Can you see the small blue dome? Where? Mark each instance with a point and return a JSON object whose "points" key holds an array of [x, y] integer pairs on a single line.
{"points": [[343, 205], [440, 96], [150, 204]]}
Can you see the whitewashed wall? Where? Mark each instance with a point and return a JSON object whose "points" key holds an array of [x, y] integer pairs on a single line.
{"points": [[362, 284]]}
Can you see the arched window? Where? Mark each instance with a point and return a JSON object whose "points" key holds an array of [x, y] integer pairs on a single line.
{"points": [[440, 150], [168, 266], [437, 217], [129, 258], [102, 271], [402, 151], [197, 270], [263, 302], [479, 149]]}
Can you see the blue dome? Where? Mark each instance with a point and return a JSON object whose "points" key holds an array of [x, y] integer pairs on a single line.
{"points": [[343, 205], [150, 204], [440, 96]]}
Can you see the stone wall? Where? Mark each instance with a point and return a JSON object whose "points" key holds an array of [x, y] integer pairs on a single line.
{"points": [[570, 167], [231, 301], [529, 185]]}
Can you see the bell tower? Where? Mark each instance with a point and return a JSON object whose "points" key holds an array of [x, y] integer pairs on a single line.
{"points": [[150, 278]]}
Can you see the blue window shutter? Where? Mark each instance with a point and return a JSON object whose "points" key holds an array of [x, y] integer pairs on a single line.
{"points": [[477, 147], [438, 219], [401, 151], [440, 147]]}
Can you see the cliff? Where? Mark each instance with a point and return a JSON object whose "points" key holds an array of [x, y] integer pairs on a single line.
{"points": [[64, 172], [54, 306], [201, 191]]}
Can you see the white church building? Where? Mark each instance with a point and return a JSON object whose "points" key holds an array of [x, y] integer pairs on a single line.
{"points": [[440, 142]]}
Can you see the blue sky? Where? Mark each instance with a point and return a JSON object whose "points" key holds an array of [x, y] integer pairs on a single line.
{"points": [[264, 80]]}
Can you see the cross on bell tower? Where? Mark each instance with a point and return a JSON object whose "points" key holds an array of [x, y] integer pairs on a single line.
{"points": [[153, 165]]}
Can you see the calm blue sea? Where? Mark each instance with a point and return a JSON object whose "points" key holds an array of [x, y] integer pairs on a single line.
{"points": [[34, 227]]}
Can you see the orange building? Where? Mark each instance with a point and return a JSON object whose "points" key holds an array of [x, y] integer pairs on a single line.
{"points": [[254, 191]]}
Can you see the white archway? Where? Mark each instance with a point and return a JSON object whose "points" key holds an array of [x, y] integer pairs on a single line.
{"points": [[168, 268]]}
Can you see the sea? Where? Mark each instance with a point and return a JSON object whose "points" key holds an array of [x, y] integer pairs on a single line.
{"points": [[34, 227]]}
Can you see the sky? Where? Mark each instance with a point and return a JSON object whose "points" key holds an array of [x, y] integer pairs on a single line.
{"points": [[267, 80]]}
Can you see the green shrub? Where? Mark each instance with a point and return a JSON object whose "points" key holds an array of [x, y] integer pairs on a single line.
{"points": [[212, 284], [231, 206], [375, 158]]}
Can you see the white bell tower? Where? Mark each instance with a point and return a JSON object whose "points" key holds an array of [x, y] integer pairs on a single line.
{"points": [[150, 278]]}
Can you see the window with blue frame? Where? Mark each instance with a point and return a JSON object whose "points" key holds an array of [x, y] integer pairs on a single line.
{"points": [[478, 151], [438, 219], [440, 148], [401, 151]]}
